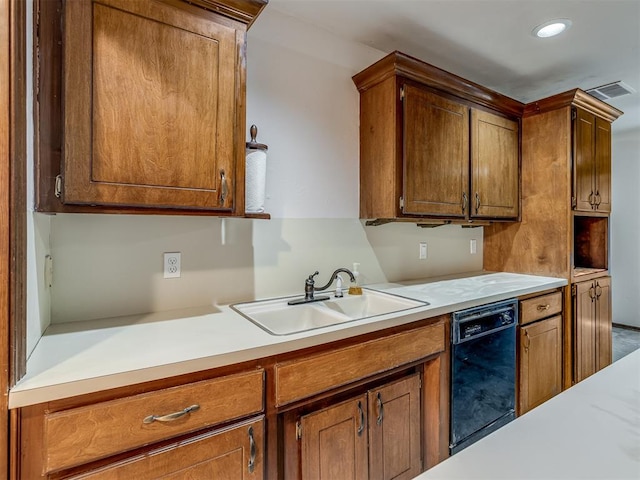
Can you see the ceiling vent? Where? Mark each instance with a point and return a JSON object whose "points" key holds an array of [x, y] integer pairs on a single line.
{"points": [[611, 90]]}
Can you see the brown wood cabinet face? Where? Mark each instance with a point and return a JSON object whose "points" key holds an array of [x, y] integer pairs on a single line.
{"points": [[334, 442], [150, 103], [436, 154], [592, 167], [540, 374], [603, 322], [494, 166], [394, 430], [592, 326], [231, 454]]}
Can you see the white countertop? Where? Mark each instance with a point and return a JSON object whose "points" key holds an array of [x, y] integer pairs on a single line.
{"points": [[83, 357], [590, 431]]}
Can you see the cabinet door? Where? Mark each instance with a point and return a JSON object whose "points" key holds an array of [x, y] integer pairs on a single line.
{"points": [[394, 430], [232, 454], [334, 442], [584, 160], [602, 174], [540, 374], [494, 166], [585, 330], [603, 322], [436, 154], [150, 106]]}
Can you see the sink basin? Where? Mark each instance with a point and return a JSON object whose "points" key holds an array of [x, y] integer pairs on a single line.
{"points": [[278, 318]]}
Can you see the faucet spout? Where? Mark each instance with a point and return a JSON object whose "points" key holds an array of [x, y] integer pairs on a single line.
{"points": [[333, 277]]}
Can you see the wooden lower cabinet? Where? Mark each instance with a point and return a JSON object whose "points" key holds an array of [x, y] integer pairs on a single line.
{"points": [[235, 453], [540, 372], [375, 435], [592, 304]]}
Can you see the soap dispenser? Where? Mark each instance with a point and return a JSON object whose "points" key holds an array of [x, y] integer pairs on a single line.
{"points": [[355, 289]]}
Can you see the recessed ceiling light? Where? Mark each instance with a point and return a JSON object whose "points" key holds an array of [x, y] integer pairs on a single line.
{"points": [[551, 28]]}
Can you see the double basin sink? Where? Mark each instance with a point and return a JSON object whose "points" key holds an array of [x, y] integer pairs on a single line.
{"points": [[277, 317]]}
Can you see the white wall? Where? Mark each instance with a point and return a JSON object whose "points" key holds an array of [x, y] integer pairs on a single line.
{"points": [[625, 228], [300, 94]]}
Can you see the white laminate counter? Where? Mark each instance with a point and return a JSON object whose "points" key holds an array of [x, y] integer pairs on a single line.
{"points": [[590, 431], [84, 357]]}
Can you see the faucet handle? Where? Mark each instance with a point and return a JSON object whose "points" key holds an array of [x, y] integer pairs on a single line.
{"points": [[310, 280]]}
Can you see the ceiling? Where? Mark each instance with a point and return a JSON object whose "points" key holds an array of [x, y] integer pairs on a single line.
{"points": [[490, 41]]}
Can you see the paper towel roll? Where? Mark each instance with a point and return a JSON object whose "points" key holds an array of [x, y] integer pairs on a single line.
{"points": [[256, 176]]}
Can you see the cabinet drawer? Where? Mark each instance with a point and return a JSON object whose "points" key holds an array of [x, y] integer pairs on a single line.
{"points": [[315, 374], [79, 435], [540, 307], [237, 450]]}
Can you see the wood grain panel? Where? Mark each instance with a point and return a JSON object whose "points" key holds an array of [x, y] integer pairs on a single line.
{"points": [[603, 322], [436, 154], [299, 379], [540, 375], [219, 455], [603, 165], [584, 166], [540, 307], [150, 105], [334, 442], [394, 430], [79, 435], [495, 164], [585, 331], [541, 243]]}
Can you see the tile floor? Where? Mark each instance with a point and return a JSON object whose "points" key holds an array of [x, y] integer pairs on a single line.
{"points": [[625, 341]]}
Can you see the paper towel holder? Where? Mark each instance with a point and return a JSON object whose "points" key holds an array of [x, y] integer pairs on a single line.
{"points": [[253, 131]]}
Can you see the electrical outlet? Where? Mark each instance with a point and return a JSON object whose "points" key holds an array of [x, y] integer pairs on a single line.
{"points": [[172, 265], [423, 251], [473, 246]]}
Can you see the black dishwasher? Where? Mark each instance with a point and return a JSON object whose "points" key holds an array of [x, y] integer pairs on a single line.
{"points": [[483, 371]]}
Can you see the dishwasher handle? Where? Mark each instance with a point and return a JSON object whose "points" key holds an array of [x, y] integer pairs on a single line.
{"points": [[478, 322]]}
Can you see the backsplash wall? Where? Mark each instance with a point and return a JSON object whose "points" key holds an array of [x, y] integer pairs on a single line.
{"points": [[300, 94]]}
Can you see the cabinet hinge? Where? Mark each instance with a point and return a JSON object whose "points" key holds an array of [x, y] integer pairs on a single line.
{"points": [[298, 430], [574, 114], [574, 290], [402, 93], [401, 202], [574, 202], [58, 186]]}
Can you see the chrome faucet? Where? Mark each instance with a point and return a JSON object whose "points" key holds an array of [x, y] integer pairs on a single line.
{"points": [[310, 288]]}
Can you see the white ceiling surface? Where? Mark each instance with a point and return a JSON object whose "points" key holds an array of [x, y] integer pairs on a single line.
{"points": [[490, 41]]}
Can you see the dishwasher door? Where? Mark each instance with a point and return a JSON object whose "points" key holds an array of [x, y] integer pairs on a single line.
{"points": [[483, 371]]}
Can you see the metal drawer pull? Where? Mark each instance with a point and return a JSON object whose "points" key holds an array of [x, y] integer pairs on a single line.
{"points": [[171, 416], [477, 202], [380, 410], [252, 451], [544, 307], [224, 188], [361, 414], [592, 199], [464, 201]]}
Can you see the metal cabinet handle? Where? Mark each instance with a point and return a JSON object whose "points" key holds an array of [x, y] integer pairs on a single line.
{"points": [[598, 199], [592, 293], [527, 340], [543, 307], [592, 200], [598, 290], [224, 188], [380, 410], [171, 416], [361, 414], [252, 451], [465, 200], [477, 202]]}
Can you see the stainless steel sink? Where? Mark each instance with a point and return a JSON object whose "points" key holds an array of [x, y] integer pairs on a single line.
{"points": [[278, 318]]}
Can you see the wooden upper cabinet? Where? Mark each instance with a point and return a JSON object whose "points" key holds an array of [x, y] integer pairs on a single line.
{"points": [[495, 166], [592, 162], [430, 141], [152, 108], [436, 154]]}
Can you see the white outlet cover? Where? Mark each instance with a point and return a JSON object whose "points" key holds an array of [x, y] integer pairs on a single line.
{"points": [[172, 264], [423, 251]]}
